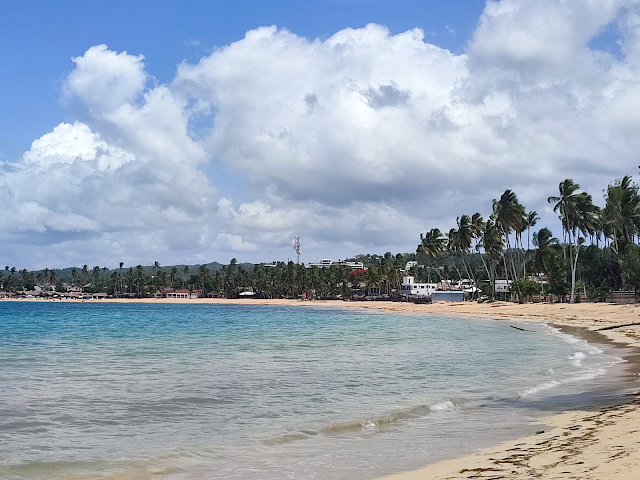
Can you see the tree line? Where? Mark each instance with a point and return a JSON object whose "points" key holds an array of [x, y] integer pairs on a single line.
{"points": [[275, 280], [598, 251]]}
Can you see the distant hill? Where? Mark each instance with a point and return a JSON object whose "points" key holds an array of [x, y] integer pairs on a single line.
{"points": [[213, 268]]}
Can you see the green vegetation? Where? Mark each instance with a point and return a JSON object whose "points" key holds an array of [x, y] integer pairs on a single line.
{"points": [[578, 266], [271, 281]]}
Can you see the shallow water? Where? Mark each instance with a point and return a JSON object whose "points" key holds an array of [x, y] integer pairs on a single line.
{"points": [[263, 392]]}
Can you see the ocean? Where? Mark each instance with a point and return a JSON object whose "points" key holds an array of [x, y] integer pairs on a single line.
{"points": [[178, 391]]}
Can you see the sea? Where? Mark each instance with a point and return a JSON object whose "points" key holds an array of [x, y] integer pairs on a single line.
{"points": [[180, 391]]}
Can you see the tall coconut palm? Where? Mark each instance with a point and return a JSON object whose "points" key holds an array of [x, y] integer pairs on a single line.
{"points": [[203, 277], [532, 220], [578, 215], [95, 274], [493, 246], [121, 278], [454, 247], [24, 276], [463, 240], [432, 244], [139, 278], [477, 226], [85, 272], [621, 214], [509, 216], [544, 241]]}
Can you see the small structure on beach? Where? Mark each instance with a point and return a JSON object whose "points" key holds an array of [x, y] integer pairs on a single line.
{"points": [[412, 288], [447, 296], [502, 286], [176, 293]]}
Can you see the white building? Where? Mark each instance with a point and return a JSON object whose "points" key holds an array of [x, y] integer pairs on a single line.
{"points": [[409, 287], [355, 265], [502, 286], [410, 264], [327, 262], [466, 285]]}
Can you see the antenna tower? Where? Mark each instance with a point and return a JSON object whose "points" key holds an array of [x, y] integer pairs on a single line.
{"points": [[296, 248]]}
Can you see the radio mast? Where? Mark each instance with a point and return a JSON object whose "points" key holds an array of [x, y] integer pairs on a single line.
{"points": [[296, 248]]}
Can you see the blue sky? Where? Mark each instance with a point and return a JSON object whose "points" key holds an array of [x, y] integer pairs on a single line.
{"points": [[190, 132], [38, 39]]}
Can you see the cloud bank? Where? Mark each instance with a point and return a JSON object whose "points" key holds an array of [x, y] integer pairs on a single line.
{"points": [[355, 143]]}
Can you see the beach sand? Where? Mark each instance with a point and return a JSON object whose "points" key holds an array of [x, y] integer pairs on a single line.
{"points": [[603, 443]]}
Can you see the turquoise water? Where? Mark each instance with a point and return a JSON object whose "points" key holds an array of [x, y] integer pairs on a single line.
{"points": [[257, 392]]}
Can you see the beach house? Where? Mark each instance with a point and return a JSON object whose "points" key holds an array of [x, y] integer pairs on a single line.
{"points": [[412, 288]]}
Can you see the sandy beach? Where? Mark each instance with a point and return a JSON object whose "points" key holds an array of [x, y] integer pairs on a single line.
{"points": [[600, 443]]}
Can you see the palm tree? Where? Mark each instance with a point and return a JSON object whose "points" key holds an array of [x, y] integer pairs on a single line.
{"points": [[95, 273], [621, 214], [578, 215], [543, 240], [509, 216], [493, 247], [139, 278], [454, 247], [185, 273], [464, 237], [532, 219], [85, 272], [432, 244], [121, 279], [477, 226], [74, 276], [24, 276], [203, 275], [173, 277]]}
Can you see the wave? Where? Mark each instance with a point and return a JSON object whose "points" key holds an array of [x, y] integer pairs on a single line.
{"points": [[579, 343], [370, 424], [577, 358], [588, 375], [438, 407], [539, 388]]}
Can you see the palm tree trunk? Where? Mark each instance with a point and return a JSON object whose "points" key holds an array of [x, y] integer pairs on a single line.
{"points": [[574, 267], [491, 280]]}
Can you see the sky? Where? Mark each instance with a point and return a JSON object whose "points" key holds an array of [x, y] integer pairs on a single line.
{"points": [[192, 132]]}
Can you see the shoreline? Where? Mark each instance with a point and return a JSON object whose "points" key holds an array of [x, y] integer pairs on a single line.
{"points": [[600, 443]]}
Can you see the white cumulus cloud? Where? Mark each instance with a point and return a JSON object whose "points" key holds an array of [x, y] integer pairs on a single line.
{"points": [[356, 142]]}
